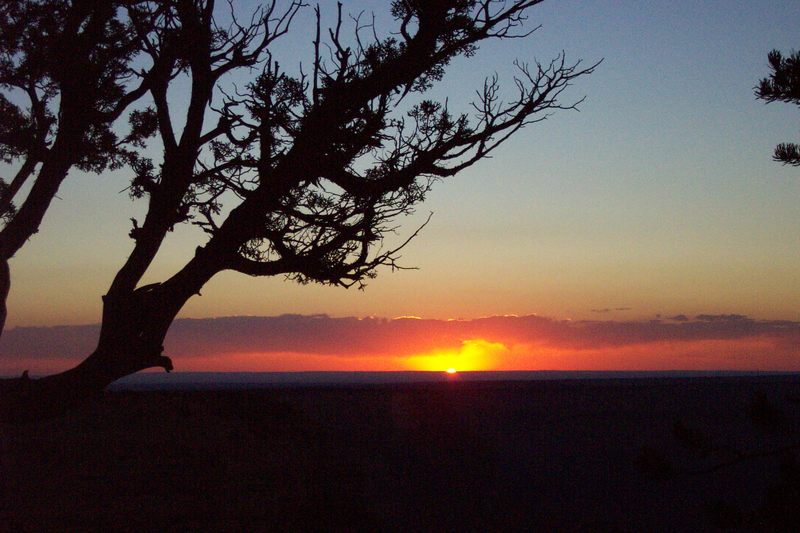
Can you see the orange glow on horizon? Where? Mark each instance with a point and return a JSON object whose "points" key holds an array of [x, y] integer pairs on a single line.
{"points": [[480, 354], [502, 353], [473, 354]]}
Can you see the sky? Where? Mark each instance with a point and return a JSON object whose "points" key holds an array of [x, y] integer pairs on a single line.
{"points": [[321, 342], [659, 199]]}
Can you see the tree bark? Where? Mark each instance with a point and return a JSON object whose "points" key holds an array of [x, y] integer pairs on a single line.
{"points": [[128, 343], [131, 339], [24, 399], [5, 286], [28, 218]]}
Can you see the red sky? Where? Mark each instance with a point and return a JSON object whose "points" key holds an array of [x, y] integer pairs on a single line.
{"points": [[320, 342]]}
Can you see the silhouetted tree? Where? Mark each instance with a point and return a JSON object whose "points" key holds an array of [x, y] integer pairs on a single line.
{"points": [[783, 85], [299, 175], [66, 75]]}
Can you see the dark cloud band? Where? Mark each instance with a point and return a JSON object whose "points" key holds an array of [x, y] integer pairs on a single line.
{"points": [[321, 334]]}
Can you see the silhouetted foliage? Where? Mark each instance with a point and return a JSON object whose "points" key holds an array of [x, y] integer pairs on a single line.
{"points": [[67, 74], [783, 85], [303, 174]]}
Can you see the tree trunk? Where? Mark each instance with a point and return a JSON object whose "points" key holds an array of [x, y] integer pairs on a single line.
{"points": [[25, 399], [28, 218], [131, 339], [5, 285]]}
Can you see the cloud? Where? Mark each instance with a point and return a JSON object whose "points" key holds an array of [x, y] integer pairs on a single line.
{"points": [[349, 337], [679, 318], [49, 342], [609, 310], [723, 318]]}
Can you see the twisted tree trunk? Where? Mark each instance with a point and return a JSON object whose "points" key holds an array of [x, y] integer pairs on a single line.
{"points": [[121, 351], [5, 285], [27, 220], [132, 334], [24, 399]]}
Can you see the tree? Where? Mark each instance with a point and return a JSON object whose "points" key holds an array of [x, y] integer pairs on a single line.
{"points": [[66, 75], [783, 85], [302, 175]]}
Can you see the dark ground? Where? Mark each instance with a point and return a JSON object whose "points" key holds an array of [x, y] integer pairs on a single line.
{"points": [[514, 456]]}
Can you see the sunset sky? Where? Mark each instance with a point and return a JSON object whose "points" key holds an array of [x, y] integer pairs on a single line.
{"points": [[650, 230]]}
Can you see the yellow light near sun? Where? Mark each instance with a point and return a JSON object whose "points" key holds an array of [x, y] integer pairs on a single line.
{"points": [[473, 354]]}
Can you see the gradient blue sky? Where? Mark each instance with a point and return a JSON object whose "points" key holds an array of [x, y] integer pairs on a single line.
{"points": [[659, 196]]}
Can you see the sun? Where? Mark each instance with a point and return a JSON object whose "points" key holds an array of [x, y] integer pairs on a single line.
{"points": [[471, 355]]}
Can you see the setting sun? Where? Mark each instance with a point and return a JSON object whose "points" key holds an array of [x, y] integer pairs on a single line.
{"points": [[473, 354]]}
